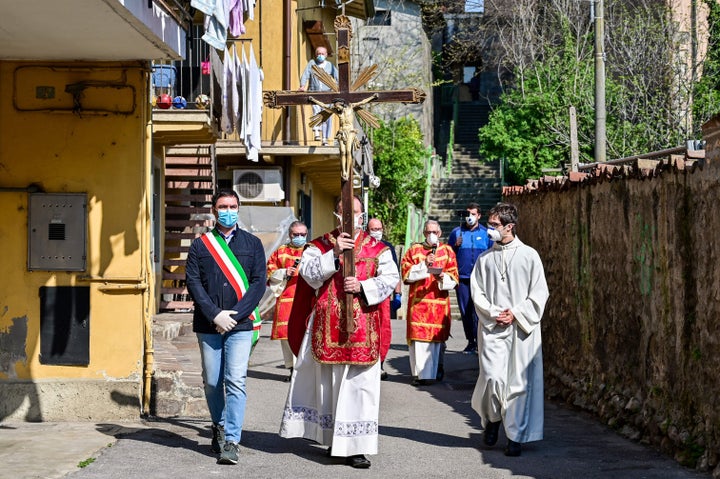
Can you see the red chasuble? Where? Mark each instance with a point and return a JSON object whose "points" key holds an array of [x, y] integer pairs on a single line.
{"points": [[284, 257], [331, 344], [428, 305]]}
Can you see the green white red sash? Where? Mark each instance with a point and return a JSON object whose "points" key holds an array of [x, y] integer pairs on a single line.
{"points": [[233, 271]]}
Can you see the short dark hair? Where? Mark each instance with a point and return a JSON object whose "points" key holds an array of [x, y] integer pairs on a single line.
{"points": [[296, 223], [473, 206], [506, 212], [222, 194]]}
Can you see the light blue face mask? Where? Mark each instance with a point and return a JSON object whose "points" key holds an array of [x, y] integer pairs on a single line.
{"points": [[320, 58], [227, 218], [299, 241]]}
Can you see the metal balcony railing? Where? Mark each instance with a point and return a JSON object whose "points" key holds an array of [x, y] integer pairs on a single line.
{"points": [[190, 84]]}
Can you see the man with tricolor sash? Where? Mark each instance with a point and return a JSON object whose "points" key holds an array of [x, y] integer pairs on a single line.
{"points": [[225, 274], [334, 396]]}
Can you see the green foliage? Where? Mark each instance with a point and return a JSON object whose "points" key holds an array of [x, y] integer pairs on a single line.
{"points": [[399, 160], [706, 93], [530, 128], [86, 462]]}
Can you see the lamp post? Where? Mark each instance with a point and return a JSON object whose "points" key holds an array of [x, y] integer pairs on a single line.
{"points": [[600, 115]]}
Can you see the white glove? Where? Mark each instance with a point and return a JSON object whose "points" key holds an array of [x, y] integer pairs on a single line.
{"points": [[223, 321]]}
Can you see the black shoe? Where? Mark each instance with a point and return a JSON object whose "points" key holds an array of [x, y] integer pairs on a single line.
{"points": [[383, 376], [490, 436], [289, 376], [229, 453], [328, 453], [418, 382], [440, 373], [358, 462], [218, 438], [513, 449], [471, 348]]}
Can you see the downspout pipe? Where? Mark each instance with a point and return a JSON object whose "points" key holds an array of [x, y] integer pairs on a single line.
{"points": [[146, 262], [287, 63]]}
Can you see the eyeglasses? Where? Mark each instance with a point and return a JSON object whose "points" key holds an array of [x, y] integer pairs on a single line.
{"points": [[226, 207], [295, 235]]}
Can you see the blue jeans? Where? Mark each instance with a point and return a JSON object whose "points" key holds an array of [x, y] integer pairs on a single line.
{"points": [[225, 361], [467, 310]]}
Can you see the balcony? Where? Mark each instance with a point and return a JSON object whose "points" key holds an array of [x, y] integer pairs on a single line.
{"points": [[93, 30], [186, 96]]}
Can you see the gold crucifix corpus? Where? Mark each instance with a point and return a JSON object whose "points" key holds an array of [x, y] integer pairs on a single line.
{"points": [[347, 134]]}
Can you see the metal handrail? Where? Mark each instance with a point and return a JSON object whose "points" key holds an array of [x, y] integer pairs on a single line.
{"points": [[628, 159]]}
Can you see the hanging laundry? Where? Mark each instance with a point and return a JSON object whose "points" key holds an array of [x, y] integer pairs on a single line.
{"points": [[216, 24], [229, 91], [255, 100], [236, 25], [243, 80]]}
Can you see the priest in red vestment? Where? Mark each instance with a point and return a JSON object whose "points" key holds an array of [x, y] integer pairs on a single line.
{"points": [[431, 270], [334, 396], [282, 277]]}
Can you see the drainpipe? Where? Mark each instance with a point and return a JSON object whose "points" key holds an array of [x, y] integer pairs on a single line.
{"points": [[287, 45], [148, 308]]}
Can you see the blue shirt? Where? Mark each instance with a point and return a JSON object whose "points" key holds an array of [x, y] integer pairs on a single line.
{"points": [[474, 242]]}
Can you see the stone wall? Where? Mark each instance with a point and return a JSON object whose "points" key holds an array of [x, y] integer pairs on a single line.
{"points": [[631, 330]]}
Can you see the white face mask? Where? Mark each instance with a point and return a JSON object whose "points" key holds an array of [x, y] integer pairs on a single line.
{"points": [[470, 220], [360, 221], [376, 234], [494, 234], [432, 239]]}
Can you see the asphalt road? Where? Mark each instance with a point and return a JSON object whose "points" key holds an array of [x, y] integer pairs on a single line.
{"points": [[428, 431]]}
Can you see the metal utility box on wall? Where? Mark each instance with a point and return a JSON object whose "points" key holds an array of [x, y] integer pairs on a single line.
{"points": [[57, 231]]}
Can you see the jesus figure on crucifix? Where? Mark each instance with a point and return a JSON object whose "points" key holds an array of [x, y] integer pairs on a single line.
{"points": [[347, 134]]}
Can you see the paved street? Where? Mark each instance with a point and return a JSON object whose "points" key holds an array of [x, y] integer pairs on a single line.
{"points": [[429, 431]]}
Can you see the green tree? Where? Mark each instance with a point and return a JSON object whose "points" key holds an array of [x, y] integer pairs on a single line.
{"points": [[706, 94], [528, 128], [399, 161], [645, 98]]}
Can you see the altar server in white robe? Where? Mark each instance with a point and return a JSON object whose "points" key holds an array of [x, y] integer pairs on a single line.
{"points": [[509, 291], [334, 396]]}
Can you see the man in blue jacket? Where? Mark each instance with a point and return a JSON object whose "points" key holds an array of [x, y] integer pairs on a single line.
{"points": [[468, 241], [225, 274]]}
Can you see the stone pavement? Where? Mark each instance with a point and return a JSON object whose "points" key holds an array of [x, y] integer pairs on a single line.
{"points": [[427, 431]]}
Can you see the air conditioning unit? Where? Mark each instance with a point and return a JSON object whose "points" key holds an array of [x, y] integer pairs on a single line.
{"points": [[259, 185]]}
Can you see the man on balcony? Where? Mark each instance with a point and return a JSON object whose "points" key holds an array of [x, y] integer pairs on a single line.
{"points": [[310, 82]]}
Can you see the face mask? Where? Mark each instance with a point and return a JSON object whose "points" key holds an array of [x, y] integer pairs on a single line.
{"points": [[494, 234], [376, 234], [432, 239], [227, 218], [360, 221], [298, 240], [320, 58], [470, 220]]}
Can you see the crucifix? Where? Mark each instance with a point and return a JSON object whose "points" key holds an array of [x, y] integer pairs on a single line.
{"points": [[346, 101]]}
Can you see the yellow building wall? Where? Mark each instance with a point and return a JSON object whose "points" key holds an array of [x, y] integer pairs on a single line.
{"points": [[100, 150], [267, 33]]}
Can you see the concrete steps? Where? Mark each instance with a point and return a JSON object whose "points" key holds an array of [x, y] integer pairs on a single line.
{"points": [[471, 180]]}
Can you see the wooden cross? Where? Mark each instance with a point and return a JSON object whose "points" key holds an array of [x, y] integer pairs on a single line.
{"points": [[344, 100]]}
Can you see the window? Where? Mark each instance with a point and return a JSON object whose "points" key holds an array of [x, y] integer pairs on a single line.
{"points": [[474, 6], [381, 18]]}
